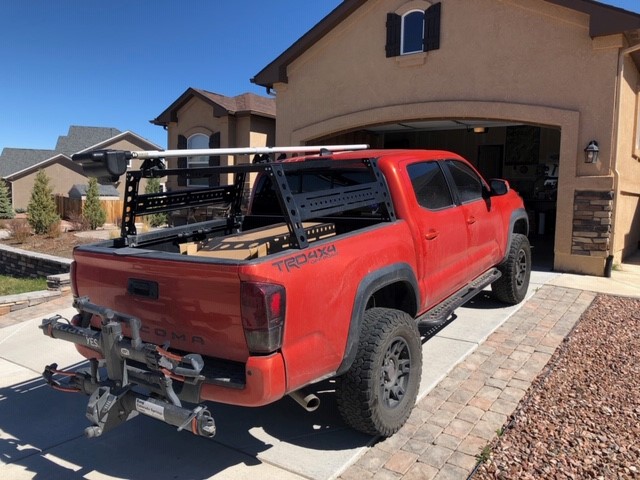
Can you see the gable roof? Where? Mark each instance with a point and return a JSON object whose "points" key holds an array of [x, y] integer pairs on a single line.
{"points": [[246, 103], [80, 137], [603, 20], [16, 162], [55, 158], [15, 159]]}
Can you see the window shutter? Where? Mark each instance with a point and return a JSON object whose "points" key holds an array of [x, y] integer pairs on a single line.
{"points": [[432, 27], [214, 160], [182, 161], [394, 23]]}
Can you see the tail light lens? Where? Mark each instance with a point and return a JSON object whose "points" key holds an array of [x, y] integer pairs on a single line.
{"points": [[263, 310]]}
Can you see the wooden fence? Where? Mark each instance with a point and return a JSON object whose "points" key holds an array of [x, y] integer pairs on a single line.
{"points": [[71, 208]]}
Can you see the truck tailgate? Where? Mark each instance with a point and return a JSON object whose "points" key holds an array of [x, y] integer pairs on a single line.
{"points": [[193, 305]]}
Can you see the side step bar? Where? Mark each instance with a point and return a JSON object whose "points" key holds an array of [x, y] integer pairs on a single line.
{"points": [[441, 312]]}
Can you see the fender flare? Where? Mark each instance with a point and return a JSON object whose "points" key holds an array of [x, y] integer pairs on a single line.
{"points": [[516, 215], [374, 281]]}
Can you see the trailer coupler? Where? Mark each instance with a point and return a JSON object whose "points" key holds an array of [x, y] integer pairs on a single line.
{"points": [[132, 366]]}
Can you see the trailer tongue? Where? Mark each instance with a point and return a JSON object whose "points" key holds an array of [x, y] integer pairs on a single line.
{"points": [[155, 372]]}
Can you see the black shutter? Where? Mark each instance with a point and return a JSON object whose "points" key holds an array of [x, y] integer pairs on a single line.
{"points": [[394, 28], [432, 27], [182, 161], [214, 160]]}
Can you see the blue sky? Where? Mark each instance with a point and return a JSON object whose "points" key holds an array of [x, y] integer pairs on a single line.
{"points": [[120, 63]]}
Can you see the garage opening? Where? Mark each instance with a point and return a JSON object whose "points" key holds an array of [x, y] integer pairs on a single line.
{"points": [[525, 155]]}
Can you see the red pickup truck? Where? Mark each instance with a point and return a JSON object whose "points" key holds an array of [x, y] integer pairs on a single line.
{"points": [[328, 267]]}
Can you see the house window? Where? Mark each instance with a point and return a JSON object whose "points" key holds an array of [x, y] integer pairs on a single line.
{"points": [[415, 31], [198, 141], [412, 32]]}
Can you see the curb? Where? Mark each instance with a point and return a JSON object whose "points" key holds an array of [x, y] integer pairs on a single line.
{"points": [[58, 286]]}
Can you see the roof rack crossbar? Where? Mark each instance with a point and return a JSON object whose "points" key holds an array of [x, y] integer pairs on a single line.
{"points": [[143, 154]]}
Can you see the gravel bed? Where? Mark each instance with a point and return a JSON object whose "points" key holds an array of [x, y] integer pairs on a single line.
{"points": [[580, 418]]}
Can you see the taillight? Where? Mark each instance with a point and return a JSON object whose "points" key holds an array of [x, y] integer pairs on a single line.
{"points": [[262, 307], [72, 275]]}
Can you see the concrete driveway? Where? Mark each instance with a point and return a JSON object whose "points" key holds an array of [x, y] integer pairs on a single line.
{"points": [[41, 430]]}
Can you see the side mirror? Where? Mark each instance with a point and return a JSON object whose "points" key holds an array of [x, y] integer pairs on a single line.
{"points": [[107, 165], [498, 186]]}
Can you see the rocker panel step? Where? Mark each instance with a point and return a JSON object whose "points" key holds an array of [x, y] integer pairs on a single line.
{"points": [[443, 310]]}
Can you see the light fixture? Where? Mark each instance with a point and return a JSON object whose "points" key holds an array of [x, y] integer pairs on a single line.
{"points": [[591, 152], [479, 129]]}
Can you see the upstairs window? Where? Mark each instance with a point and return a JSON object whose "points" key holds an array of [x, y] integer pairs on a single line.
{"points": [[199, 141], [412, 32], [415, 31]]}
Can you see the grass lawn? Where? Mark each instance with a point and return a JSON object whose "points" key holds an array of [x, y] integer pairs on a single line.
{"points": [[13, 285]]}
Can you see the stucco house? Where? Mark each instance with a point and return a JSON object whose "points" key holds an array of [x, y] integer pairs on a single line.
{"points": [[525, 89], [19, 166], [202, 119]]}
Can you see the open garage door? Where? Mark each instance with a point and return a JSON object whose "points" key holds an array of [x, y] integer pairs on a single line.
{"points": [[525, 155]]}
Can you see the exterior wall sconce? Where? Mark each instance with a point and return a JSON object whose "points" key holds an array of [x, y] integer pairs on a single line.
{"points": [[591, 152]]}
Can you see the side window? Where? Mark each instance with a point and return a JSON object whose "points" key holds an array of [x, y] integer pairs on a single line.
{"points": [[430, 185], [466, 180]]}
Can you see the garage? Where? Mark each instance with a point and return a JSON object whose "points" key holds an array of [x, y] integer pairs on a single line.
{"points": [[524, 89]]}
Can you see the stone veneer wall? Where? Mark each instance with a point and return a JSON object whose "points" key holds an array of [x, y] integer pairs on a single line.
{"points": [[591, 222], [21, 263]]}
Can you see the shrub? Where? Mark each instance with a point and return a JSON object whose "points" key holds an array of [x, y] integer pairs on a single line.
{"points": [[54, 230], [78, 222], [156, 219], [6, 210], [42, 211], [20, 229], [92, 211]]}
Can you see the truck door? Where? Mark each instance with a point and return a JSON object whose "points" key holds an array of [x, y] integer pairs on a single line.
{"points": [[483, 223], [442, 228]]}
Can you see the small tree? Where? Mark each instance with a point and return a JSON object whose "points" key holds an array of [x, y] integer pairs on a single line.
{"points": [[42, 213], [6, 210], [92, 212], [157, 219]]}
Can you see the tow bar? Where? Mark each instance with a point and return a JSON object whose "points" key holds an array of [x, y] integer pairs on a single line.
{"points": [[130, 363]]}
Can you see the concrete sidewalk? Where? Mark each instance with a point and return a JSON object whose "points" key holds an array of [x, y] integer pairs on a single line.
{"points": [[475, 371]]}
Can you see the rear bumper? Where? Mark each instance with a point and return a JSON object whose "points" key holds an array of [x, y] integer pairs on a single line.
{"points": [[264, 382]]}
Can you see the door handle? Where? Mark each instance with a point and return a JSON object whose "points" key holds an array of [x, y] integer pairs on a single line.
{"points": [[471, 220], [431, 234]]}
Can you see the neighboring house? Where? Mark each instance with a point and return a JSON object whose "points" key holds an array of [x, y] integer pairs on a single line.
{"points": [[19, 167], [201, 119], [520, 87]]}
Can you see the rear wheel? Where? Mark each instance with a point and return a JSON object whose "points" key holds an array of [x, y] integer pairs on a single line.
{"points": [[512, 286], [379, 391]]}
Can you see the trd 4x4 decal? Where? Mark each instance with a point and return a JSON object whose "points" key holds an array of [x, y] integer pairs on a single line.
{"points": [[298, 261]]}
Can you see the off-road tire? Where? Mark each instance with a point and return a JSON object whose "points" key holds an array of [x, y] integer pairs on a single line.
{"points": [[512, 286], [376, 395]]}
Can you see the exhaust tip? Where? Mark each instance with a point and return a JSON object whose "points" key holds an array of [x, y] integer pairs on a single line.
{"points": [[309, 401]]}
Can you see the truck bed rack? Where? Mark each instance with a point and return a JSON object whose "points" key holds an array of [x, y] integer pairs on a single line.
{"points": [[296, 207]]}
